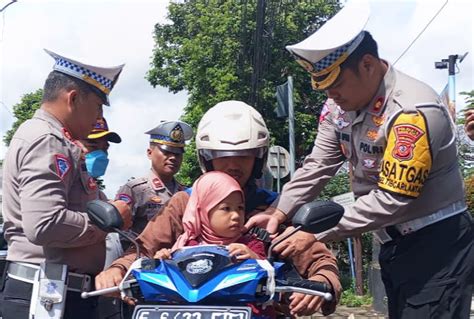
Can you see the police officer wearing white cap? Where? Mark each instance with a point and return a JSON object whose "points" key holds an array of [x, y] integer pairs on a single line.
{"points": [[400, 143], [148, 194], [53, 249]]}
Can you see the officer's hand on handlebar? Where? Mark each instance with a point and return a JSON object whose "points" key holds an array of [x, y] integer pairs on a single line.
{"points": [[108, 278], [270, 219], [125, 211], [295, 244]]}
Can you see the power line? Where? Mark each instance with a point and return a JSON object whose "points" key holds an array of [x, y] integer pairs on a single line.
{"points": [[6, 108], [421, 32], [5, 6]]}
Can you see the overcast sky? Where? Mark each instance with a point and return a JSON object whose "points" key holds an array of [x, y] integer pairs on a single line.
{"points": [[113, 32]]}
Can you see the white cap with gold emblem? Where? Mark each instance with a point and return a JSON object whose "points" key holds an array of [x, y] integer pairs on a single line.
{"points": [[324, 51]]}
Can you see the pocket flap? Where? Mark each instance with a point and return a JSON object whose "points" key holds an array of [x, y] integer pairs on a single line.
{"points": [[430, 293]]}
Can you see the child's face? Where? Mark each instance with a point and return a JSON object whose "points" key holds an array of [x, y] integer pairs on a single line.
{"points": [[227, 217]]}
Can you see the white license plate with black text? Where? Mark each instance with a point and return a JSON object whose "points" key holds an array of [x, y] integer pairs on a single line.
{"points": [[191, 312]]}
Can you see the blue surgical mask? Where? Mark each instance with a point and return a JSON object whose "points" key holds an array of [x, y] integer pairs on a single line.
{"points": [[96, 163]]}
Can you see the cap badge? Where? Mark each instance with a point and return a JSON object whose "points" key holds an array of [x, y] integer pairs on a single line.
{"points": [[177, 134]]}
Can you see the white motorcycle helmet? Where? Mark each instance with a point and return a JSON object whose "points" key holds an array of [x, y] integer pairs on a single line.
{"points": [[232, 128]]}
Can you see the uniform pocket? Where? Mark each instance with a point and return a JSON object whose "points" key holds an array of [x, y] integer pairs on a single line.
{"points": [[430, 301]]}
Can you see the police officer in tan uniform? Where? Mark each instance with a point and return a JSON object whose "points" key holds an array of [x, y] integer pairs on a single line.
{"points": [[148, 194], [45, 191], [400, 142]]}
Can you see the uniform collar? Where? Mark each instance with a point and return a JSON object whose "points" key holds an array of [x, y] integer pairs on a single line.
{"points": [[379, 101], [59, 129], [50, 118]]}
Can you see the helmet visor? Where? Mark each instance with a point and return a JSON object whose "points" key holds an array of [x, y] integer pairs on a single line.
{"points": [[213, 154]]}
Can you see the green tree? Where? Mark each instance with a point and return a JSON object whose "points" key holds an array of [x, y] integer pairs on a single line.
{"points": [[23, 111], [466, 155], [220, 50]]}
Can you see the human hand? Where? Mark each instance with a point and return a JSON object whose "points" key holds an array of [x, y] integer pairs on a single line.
{"points": [[163, 253], [125, 211], [270, 219], [296, 244], [304, 305], [469, 123], [241, 252], [108, 278]]}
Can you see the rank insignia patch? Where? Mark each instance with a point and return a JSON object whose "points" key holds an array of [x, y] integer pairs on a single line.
{"points": [[62, 165], [378, 104], [155, 199], [378, 120]]}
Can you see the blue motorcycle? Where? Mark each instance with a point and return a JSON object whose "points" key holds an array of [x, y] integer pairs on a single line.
{"points": [[204, 282]]}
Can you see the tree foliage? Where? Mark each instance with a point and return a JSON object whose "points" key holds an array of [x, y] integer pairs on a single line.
{"points": [[23, 111], [466, 157], [221, 50]]}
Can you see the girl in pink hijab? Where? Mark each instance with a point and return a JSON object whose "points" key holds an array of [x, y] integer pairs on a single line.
{"points": [[215, 214]]}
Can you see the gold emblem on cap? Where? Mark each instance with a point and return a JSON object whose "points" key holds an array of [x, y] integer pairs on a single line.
{"points": [[177, 134]]}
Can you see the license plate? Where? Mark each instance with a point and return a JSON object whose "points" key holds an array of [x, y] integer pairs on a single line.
{"points": [[191, 312]]}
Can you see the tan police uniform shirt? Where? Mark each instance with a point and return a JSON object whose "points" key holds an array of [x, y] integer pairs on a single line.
{"points": [[402, 152], [146, 195], [45, 191]]}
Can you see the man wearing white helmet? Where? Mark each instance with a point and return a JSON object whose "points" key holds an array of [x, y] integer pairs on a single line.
{"points": [[232, 137], [400, 143]]}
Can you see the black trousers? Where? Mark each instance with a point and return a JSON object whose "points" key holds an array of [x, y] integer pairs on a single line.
{"points": [[429, 273], [17, 296]]}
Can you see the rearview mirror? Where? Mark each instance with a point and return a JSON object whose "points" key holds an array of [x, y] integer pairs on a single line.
{"points": [[104, 215], [316, 217]]}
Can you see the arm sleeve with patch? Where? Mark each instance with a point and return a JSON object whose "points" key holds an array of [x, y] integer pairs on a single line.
{"points": [[413, 144], [45, 180], [318, 168]]}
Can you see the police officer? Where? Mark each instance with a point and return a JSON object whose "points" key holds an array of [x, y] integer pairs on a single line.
{"points": [[148, 194], [45, 190], [96, 147], [400, 143]]}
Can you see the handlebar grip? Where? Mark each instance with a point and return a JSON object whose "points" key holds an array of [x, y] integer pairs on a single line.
{"points": [[307, 284]]}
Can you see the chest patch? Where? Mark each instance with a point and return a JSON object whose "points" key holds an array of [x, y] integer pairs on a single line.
{"points": [[370, 148]]}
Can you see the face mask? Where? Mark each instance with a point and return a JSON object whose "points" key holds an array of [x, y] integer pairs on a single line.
{"points": [[96, 163]]}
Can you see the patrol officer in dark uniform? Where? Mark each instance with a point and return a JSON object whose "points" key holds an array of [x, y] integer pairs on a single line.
{"points": [[45, 191], [400, 141], [148, 194]]}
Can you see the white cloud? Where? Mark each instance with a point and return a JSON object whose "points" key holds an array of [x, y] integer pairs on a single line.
{"points": [[113, 32]]}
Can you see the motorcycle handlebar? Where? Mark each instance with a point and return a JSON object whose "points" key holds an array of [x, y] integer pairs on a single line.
{"points": [[305, 286], [100, 292]]}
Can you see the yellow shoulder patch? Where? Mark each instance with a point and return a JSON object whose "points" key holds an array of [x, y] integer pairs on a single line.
{"points": [[407, 159]]}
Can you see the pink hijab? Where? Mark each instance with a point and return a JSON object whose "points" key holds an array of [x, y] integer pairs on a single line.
{"points": [[208, 191]]}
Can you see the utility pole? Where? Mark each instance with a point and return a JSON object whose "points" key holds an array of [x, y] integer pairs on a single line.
{"points": [[451, 63]]}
